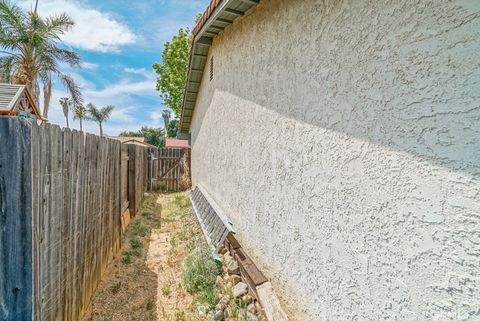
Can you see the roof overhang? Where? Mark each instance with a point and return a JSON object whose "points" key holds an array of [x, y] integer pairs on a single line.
{"points": [[219, 15], [16, 100]]}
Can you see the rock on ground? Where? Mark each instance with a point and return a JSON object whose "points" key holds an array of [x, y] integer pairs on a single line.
{"points": [[232, 267], [240, 289]]}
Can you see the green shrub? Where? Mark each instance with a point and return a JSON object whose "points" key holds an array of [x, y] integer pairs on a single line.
{"points": [[200, 272], [126, 259], [137, 246], [180, 315], [138, 229], [181, 200], [136, 243]]}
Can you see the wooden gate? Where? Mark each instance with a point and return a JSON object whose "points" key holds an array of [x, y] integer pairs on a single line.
{"points": [[169, 169]]}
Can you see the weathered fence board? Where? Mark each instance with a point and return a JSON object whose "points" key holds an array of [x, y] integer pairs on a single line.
{"points": [[137, 177], [76, 213], [62, 195], [167, 168], [124, 177], [15, 221]]}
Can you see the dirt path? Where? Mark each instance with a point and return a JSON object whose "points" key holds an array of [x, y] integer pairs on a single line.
{"points": [[168, 249], [163, 254], [145, 283]]}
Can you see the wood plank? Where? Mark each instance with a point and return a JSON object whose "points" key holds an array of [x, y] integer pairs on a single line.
{"points": [[270, 303], [233, 242], [250, 268], [15, 220]]}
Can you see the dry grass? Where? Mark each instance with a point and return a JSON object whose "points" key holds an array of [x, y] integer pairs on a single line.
{"points": [[128, 292], [146, 282]]}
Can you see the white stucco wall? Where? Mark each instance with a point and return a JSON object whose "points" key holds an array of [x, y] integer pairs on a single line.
{"points": [[342, 138]]}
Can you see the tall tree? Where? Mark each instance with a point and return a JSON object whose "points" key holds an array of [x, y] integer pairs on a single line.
{"points": [[32, 54], [171, 73], [153, 136], [99, 115], [172, 128], [166, 114], [80, 113], [65, 102]]}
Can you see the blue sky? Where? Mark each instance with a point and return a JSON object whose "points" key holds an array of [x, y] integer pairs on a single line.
{"points": [[118, 41]]}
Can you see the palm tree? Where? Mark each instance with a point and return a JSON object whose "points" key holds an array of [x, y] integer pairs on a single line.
{"points": [[31, 51], [65, 102], [99, 115], [80, 113], [166, 117]]}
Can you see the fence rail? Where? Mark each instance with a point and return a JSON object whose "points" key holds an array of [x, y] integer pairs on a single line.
{"points": [[62, 196]]}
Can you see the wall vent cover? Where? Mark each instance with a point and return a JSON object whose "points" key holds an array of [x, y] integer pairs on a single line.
{"points": [[211, 69]]}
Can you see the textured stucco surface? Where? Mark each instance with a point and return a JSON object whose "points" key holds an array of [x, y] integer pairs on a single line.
{"points": [[342, 138]]}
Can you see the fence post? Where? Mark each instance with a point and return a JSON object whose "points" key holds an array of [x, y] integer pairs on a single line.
{"points": [[132, 179], [150, 170], [15, 220]]}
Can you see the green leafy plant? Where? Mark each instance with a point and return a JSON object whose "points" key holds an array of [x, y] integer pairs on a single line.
{"points": [[80, 113], [171, 73], [172, 128], [31, 53], [180, 315], [137, 228], [126, 258], [99, 115], [181, 201], [166, 289], [153, 136], [137, 246], [200, 272]]}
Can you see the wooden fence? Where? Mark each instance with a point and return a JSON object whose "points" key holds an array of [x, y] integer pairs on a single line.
{"points": [[61, 199], [76, 218], [15, 221], [138, 172], [169, 169]]}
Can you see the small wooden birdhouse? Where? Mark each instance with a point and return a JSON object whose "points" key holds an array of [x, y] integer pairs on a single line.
{"points": [[16, 100]]}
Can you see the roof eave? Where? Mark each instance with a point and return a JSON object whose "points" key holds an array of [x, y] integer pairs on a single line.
{"points": [[212, 23]]}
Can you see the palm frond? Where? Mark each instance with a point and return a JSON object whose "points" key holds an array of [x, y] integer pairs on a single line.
{"points": [[72, 88], [32, 41], [58, 25], [12, 17], [70, 57], [7, 68], [47, 95], [100, 115], [79, 112], [65, 103]]}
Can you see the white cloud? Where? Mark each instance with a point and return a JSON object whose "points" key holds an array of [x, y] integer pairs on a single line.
{"points": [[126, 115], [140, 71], [156, 117], [128, 86], [93, 30], [125, 86], [89, 65]]}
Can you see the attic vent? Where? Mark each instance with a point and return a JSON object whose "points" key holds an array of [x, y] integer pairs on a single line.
{"points": [[211, 69]]}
